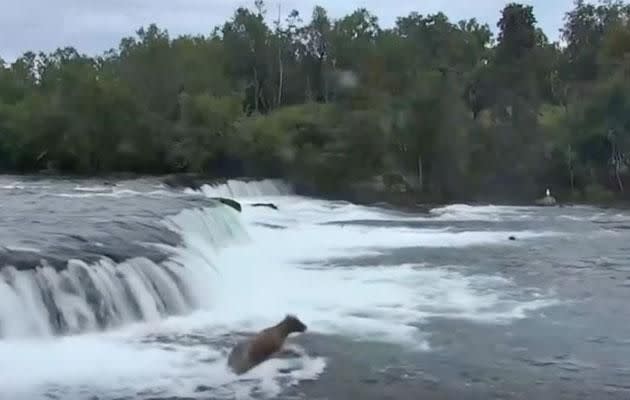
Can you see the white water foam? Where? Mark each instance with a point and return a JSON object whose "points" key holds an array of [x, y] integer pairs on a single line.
{"points": [[95, 189], [465, 212], [117, 193], [257, 281], [123, 365], [135, 289], [377, 302], [12, 187], [240, 189]]}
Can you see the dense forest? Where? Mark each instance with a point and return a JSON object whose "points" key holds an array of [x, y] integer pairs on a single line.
{"points": [[429, 106]]}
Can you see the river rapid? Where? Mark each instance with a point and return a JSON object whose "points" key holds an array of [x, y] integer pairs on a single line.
{"points": [[132, 290]]}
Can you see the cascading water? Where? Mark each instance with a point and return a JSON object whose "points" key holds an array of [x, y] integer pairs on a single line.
{"points": [[104, 294], [243, 189], [380, 290]]}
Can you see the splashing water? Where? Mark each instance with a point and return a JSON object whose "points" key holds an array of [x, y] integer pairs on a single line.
{"points": [[176, 320]]}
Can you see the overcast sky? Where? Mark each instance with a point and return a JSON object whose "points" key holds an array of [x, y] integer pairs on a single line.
{"points": [[93, 26]]}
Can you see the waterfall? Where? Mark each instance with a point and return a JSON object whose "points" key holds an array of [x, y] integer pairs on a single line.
{"points": [[240, 188], [83, 297]]}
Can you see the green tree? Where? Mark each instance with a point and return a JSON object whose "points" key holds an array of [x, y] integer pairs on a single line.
{"points": [[440, 108]]}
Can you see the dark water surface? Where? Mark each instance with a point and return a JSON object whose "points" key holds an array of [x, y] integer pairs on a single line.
{"points": [[61, 218], [576, 349]]}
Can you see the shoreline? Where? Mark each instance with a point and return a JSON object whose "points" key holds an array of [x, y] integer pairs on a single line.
{"points": [[402, 201]]}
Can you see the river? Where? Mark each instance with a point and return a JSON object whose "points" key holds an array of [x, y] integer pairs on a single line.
{"points": [[132, 290]]}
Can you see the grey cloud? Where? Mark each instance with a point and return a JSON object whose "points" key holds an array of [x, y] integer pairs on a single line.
{"points": [[93, 26]]}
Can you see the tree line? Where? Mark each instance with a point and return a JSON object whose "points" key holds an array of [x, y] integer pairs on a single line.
{"points": [[444, 107]]}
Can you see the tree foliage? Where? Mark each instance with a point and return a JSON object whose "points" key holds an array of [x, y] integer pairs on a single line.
{"points": [[442, 104]]}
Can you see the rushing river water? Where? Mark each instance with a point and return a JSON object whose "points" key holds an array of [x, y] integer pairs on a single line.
{"points": [[131, 290]]}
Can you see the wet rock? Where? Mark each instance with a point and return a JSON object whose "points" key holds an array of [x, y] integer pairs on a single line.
{"points": [[229, 202], [268, 205], [385, 183], [271, 226], [190, 181], [547, 201]]}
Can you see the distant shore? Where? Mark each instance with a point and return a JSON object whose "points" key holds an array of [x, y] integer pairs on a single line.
{"points": [[405, 201]]}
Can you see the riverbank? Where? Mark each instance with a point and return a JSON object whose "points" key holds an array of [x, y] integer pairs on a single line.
{"points": [[409, 201]]}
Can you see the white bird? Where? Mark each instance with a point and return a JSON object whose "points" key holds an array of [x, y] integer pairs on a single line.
{"points": [[548, 193]]}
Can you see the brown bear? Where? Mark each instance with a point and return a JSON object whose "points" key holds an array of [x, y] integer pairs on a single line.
{"points": [[248, 354]]}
